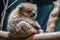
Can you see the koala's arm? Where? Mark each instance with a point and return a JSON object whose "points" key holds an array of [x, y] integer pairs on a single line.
{"points": [[38, 24], [40, 30], [53, 17], [25, 28]]}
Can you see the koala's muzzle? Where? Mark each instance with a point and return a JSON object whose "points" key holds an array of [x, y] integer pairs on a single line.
{"points": [[33, 13]]}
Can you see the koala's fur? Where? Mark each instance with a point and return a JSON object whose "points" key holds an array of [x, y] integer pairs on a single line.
{"points": [[18, 18]]}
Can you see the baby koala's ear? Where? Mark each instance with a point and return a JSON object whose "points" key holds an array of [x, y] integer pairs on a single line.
{"points": [[20, 6]]}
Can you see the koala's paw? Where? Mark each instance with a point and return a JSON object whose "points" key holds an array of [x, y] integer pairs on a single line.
{"points": [[41, 31]]}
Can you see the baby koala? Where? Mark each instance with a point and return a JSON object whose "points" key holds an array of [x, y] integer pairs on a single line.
{"points": [[22, 20]]}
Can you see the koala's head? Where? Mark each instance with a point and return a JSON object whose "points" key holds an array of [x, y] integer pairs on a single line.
{"points": [[28, 10]]}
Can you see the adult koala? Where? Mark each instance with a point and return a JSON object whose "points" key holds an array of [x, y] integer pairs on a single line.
{"points": [[22, 20]]}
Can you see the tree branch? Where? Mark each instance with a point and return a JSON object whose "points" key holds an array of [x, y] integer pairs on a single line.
{"points": [[45, 36]]}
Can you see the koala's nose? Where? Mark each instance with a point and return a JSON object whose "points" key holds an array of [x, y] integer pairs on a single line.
{"points": [[33, 14]]}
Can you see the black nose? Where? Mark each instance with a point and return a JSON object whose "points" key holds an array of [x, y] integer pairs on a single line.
{"points": [[33, 14]]}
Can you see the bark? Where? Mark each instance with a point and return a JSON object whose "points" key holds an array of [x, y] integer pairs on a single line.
{"points": [[41, 36], [45, 36], [53, 17]]}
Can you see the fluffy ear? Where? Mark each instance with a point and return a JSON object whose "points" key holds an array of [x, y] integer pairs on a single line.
{"points": [[20, 5], [17, 8]]}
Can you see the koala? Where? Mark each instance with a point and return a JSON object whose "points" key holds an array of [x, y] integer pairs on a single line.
{"points": [[22, 19]]}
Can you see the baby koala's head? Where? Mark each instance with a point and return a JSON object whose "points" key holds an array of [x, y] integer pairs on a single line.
{"points": [[28, 10]]}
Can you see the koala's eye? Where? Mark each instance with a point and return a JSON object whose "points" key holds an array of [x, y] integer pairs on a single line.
{"points": [[29, 11]]}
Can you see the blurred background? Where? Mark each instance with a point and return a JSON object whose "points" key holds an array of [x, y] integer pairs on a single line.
{"points": [[43, 11]]}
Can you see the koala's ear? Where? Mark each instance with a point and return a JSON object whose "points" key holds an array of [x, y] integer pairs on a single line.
{"points": [[20, 6], [35, 6]]}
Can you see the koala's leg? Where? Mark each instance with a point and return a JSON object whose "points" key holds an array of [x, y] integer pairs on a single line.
{"points": [[53, 17]]}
